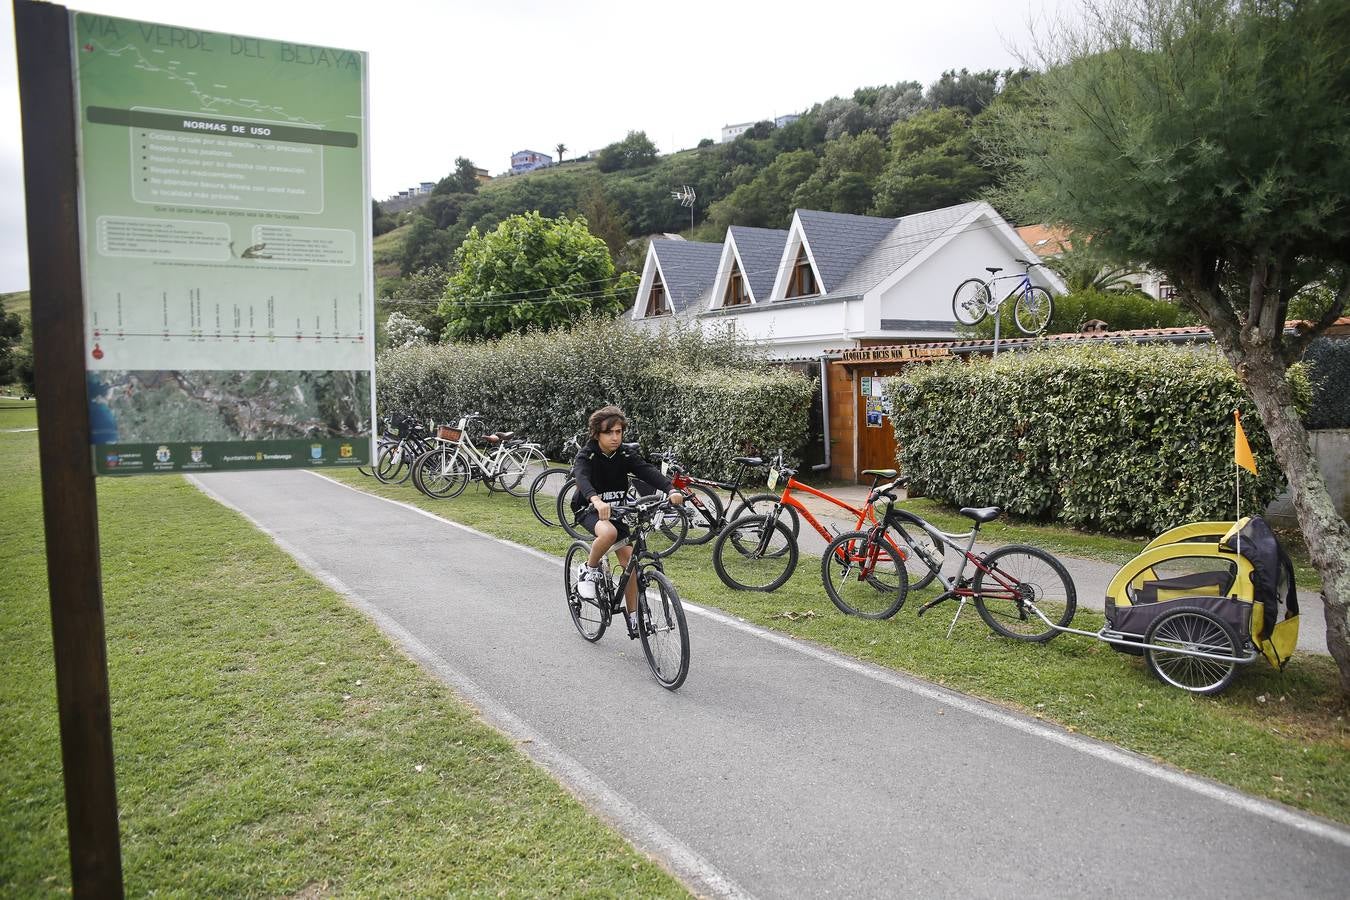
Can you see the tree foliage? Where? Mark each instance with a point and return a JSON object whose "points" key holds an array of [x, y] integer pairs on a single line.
{"points": [[843, 180], [463, 180], [529, 272], [1210, 141], [634, 151], [933, 163]]}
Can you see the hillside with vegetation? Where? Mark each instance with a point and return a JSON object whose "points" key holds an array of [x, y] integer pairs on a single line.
{"points": [[888, 150]]}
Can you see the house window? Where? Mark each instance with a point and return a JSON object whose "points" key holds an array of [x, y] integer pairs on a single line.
{"points": [[736, 294], [803, 280], [657, 304]]}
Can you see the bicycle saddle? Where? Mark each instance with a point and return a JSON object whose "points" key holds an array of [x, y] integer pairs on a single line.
{"points": [[981, 515], [748, 460], [880, 473], [992, 271]]}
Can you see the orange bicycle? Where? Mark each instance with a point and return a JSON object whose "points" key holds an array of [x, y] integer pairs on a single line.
{"points": [[758, 551]]}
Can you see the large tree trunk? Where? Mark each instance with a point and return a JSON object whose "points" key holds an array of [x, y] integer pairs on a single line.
{"points": [[1326, 533]]}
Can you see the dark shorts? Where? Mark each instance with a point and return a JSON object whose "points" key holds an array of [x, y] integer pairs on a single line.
{"points": [[590, 517]]}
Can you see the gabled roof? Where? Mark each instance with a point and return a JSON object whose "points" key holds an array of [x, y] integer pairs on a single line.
{"points": [[687, 268], [906, 239], [839, 241], [759, 250]]}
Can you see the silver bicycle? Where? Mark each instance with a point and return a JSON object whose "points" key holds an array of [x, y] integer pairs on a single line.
{"points": [[1032, 304]]}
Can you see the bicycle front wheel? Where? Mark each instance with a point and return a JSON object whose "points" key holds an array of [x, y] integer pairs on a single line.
{"points": [[662, 627], [1033, 310], [970, 303], [589, 616], [755, 553], [669, 533], [392, 467], [441, 474], [863, 576], [563, 508], [1020, 582], [703, 509], [762, 505], [544, 494]]}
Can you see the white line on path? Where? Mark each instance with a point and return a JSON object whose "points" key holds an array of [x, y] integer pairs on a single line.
{"points": [[595, 794], [1214, 791], [15, 430]]}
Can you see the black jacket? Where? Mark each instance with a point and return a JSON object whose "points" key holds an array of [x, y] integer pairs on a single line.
{"points": [[607, 476]]}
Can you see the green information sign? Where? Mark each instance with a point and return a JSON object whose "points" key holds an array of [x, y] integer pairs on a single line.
{"points": [[225, 225]]}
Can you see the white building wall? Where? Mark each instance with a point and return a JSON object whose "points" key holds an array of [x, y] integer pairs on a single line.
{"points": [[797, 330], [926, 292]]}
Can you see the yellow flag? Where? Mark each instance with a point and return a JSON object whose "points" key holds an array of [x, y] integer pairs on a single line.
{"points": [[1242, 452]]}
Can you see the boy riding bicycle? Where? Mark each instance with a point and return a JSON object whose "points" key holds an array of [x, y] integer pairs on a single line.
{"points": [[601, 470]]}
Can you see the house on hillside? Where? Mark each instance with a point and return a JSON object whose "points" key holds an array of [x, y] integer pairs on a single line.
{"points": [[528, 161], [833, 278]]}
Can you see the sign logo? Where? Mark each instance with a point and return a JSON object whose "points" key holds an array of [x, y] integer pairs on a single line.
{"points": [[196, 454], [259, 456], [345, 451], [163, 454], [112, 460], [316, 451]]}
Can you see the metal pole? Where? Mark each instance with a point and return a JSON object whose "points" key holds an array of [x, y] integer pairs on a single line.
{"points": [[998, 312], [69, 507]]}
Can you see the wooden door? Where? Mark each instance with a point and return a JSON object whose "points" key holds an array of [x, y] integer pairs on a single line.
{"points": [[876, 437]]}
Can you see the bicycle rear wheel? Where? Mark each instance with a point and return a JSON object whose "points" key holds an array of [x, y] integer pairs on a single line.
{"points": [[755, 553], [1033, 310], [591, 617], [1021, 581], [544, 494], [863, 577], [970, 303], [662, 627], [440, 474]]}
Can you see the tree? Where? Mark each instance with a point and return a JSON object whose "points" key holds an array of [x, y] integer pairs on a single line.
{"points": [[531, 272], [560, 150], [604, 217], [1210, 140], [464, 180], [11, 338], [933, 163], [1082, 268], [634, 151], [418, 298], [425, 245], [766, 201], [843, 180], [970, 91]]}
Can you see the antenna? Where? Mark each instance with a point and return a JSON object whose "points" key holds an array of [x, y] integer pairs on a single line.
{"points": [[686, 196]]}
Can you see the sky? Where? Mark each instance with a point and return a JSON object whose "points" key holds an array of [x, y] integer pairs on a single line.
{"points": [[485, 79]]}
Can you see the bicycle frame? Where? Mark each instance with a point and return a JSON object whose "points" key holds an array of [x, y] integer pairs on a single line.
{"points": [[864, 513]]}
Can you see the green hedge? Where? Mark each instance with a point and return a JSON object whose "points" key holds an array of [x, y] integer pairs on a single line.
{"points": [[709, 397], [1328, 362], [1119, 438]]}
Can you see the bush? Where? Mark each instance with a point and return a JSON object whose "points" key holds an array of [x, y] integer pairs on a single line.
{"points": [[1328, 362], [708, 397], [1120, 311], [1119, 438]]}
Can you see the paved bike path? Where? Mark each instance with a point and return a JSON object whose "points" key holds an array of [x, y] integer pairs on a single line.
{"points": [[782, 769]]}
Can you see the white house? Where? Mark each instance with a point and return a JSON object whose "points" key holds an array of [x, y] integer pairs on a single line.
{"points": [[834, 280]]}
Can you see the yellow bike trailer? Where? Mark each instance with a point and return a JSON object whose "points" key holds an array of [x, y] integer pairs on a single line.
{"points": [[1202, 599]]}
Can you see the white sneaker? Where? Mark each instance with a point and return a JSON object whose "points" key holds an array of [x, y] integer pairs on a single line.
{"points": [[586, 579]]}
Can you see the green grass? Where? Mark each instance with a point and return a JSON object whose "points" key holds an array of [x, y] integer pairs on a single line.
{"points": [[1282, 736], [269, 740], [16, 413], [19, 302]]}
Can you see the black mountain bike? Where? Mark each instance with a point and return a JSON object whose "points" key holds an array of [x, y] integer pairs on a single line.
{"points": [[705, 510], [660, 616]]}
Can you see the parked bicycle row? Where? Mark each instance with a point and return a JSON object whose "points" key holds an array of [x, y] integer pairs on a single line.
{"points": [[1020, 592]]}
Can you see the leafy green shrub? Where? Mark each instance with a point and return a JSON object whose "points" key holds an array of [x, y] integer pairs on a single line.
{"points": [[1328, 362], [1121, 311], [1125, 438], [708, 396]]}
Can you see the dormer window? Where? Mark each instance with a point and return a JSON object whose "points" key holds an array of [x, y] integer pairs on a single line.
{"points": [[736, 294], [657, 304], [803, 280]]}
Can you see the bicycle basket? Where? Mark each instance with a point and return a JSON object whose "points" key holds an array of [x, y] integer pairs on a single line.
{"points": [[446, 433]]}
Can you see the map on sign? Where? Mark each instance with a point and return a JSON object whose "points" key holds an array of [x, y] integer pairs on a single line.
{"points": [[226, 235]]}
